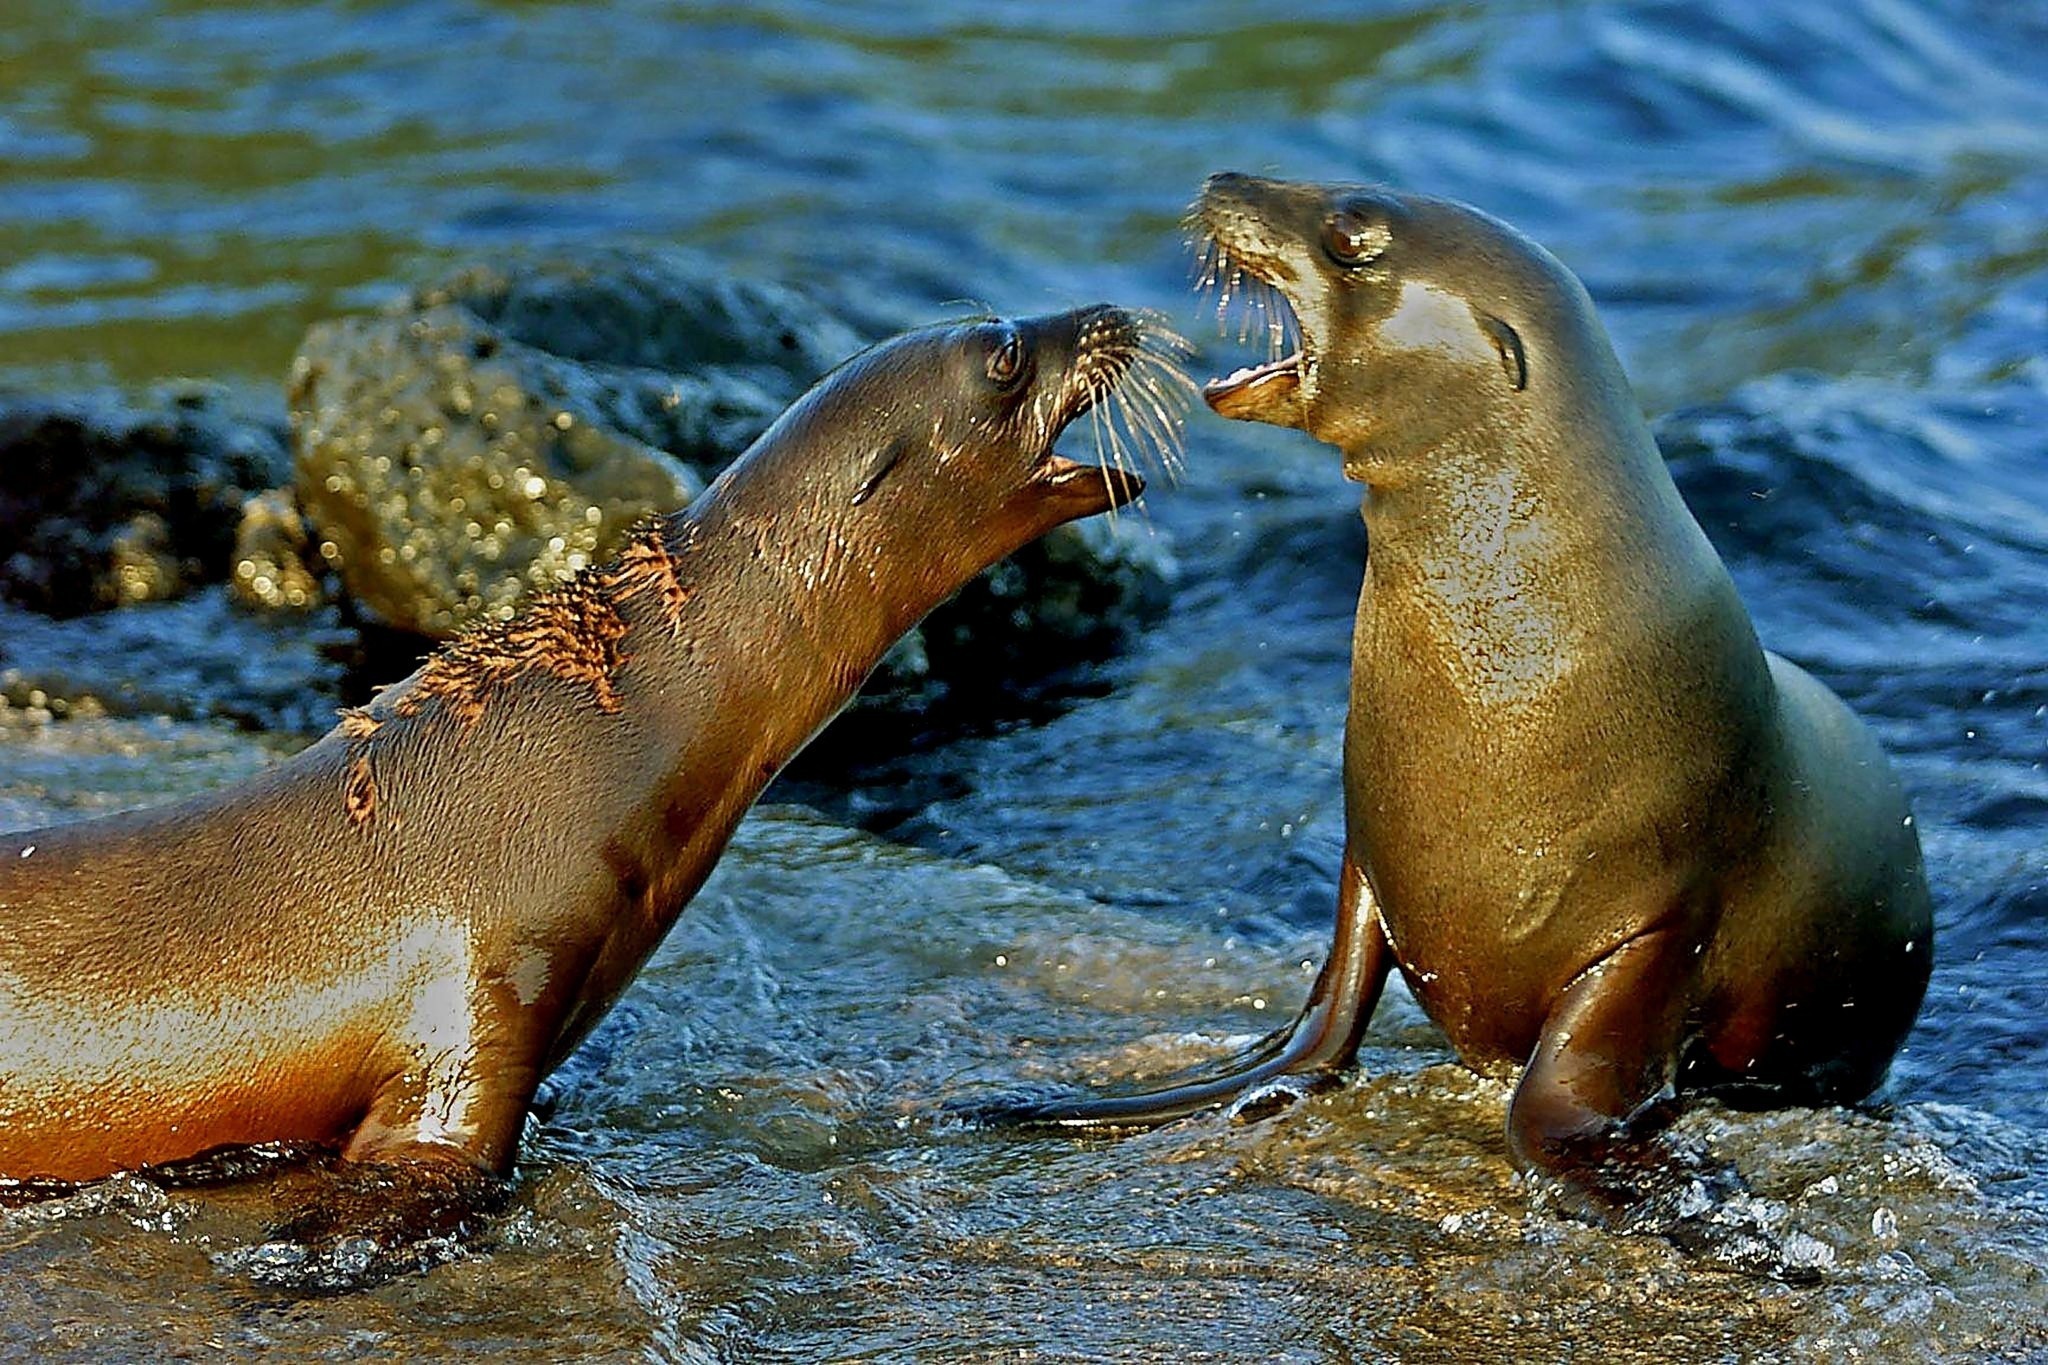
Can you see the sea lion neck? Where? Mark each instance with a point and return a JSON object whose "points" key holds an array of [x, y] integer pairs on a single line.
{"points": [[1492, 542], [826, 572]]}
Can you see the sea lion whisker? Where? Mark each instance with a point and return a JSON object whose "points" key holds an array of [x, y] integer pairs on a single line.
{"points": [[1258, 308], [1233, 284], [1146, 415], [1113, 438], [1159, 364], [1101, 460], [1158, 336], [1160, 346], [1251, 303], [1137, 437], [1118, 438], [1172, 389], [1278, 316], [1164, 421]]}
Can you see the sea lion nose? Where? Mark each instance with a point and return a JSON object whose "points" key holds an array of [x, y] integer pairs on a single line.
{"points": [[1239, 187], [1085, 331]]}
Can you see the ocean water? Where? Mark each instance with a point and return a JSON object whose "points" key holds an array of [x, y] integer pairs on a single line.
{"points": [[1819, 236]]}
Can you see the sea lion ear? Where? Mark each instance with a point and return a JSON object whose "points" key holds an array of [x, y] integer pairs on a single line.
{"points": [[1509, 346], [878, 466]]}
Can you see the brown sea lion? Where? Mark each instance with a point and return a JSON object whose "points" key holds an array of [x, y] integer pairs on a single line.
{"points": [[1604, 835], [386, 942]]}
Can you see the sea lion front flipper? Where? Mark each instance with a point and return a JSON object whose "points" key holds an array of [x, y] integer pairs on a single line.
{"points": [[1591, 1099], [422, 1172], [372, 1220], [1320, 1043], [1592, 1106]]}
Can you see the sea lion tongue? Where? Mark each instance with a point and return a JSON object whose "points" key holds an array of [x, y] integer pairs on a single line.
{"points": [[1262, 393]]}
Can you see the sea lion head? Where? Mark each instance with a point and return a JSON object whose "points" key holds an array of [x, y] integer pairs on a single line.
{"points": [[1420, 320], [944, 437]]}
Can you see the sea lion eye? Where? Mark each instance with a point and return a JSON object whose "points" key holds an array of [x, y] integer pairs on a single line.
{"points": [[1351, 239], [1006, 360]]}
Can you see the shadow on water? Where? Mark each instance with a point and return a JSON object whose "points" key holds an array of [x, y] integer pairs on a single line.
{"points": [[1817, 234]]}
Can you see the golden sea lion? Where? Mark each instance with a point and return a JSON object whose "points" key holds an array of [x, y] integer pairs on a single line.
{"points": [[1605, 836], [384, 943]]}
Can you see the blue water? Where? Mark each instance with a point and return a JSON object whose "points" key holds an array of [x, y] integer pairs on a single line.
{"points": [[1819, 235]]}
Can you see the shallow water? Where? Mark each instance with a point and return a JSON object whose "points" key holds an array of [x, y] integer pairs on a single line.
{"points": [[1817, 235]]}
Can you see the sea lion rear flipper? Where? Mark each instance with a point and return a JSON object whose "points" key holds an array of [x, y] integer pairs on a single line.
{"points": [[1321, 1042]]}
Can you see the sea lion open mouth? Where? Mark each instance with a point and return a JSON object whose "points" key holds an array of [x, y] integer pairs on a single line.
{"points": [[1275, 390], [1126, 376], [1259, 393]]}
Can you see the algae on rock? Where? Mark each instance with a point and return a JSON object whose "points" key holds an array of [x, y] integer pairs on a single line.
{"points": [[506, 427]]}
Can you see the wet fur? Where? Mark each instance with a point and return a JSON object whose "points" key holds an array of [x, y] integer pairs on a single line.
{"points": [[383, 943]]}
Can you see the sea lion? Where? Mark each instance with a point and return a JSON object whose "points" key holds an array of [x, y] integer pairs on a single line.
{"points": [[1604, 835], [384, 943]]}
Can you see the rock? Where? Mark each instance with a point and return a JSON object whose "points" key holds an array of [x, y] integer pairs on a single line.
{"points": [[1070, 596], [1006, 646], [505, 428], [668, 314], [108, 500], [449, 471], [502, 429], [271, 556]]}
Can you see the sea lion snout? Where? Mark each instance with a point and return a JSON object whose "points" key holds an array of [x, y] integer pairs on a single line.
{"points": [[1253, 238], [1122, 368]]}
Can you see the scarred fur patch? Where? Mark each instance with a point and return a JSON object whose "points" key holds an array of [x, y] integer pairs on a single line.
{"points": [[358, 782], [572, 632], [647, 564], [359, 788]]}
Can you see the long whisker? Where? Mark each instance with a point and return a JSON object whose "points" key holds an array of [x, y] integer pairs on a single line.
{"points": [[1095, 425], [1117, 451], [1233, 283], [1162, 417], [1259, 304], [1277, 314], [1157, 337], [1149, 399], [1144, 420], [1152, 412]]}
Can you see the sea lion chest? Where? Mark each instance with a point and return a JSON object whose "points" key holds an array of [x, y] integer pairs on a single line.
{"points": [[1520, 799]]}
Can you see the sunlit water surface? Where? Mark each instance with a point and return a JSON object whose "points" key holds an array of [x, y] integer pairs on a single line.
{"points": [[1817, 233]]}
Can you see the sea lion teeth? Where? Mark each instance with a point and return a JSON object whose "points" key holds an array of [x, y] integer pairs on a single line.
{"points": [[1251, 374], [1259, 393]]}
